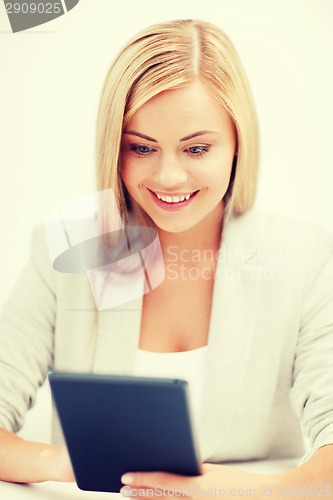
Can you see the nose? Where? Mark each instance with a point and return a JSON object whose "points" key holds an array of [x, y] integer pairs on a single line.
{"points": [[169, 173]]}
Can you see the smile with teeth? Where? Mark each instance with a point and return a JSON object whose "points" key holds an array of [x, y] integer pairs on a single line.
{"points": [[174, 199]]}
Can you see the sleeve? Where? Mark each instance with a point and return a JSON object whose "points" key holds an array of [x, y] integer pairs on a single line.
{"points": [[26, 336], [312, 390]]}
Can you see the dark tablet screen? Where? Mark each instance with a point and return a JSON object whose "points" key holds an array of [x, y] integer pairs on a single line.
{"points": [[116, 424]]}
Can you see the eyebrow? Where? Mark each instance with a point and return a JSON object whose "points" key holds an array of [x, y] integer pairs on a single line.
{"points": [[186, 138]]}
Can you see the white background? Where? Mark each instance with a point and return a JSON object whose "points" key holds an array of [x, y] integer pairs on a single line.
{"points": [[51, 77]]}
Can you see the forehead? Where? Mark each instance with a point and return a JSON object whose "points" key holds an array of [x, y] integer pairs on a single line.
{"points": [[179, 112]]}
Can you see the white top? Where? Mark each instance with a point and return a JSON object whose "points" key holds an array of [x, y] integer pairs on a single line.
{"points": [[186, 365]]}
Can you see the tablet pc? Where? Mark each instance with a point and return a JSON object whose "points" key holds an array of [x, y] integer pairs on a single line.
{"points": [[115, 424]]}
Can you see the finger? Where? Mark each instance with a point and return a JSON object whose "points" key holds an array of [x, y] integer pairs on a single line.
{"points": [[158, 479]]}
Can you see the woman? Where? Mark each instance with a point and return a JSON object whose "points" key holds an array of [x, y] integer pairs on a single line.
{"points": [[246, 296]]}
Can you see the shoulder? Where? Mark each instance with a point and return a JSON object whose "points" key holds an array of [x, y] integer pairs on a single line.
{"points": [[280, 249], [261, 230]]}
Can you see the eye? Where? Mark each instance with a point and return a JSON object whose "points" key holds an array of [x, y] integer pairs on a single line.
{"points": [[197, 150], [140, 149]]}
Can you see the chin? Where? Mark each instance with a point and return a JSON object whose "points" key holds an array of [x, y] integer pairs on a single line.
{"points": [[174, 227]]}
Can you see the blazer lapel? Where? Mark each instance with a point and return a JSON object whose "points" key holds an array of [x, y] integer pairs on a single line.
{"points": [[118, 338], [236, 292]]}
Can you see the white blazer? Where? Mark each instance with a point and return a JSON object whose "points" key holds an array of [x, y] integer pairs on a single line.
{"points": [[270, 346]]}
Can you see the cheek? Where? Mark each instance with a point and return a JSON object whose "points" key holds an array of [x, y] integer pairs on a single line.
{"points": [[217, 175], [128, 176], [134, 172]]}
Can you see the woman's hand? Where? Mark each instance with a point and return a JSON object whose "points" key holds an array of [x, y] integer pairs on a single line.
{"points": [[23, 461], [216, 480], [60, 465]]}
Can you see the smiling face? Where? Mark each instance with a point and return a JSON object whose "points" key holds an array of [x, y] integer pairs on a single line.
{"points": [[176, 157]]}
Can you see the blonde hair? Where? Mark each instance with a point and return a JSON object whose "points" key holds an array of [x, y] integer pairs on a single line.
{"points": [[168, 56]]}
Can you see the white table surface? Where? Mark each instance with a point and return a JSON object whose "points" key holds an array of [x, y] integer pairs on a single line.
{"points": [[69, 491]]}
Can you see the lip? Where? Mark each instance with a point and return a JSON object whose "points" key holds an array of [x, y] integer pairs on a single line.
{"points": [[165, 193], [172, 207]]}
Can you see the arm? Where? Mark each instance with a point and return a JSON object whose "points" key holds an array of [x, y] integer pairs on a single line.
{"points": [[23, 461], [26, 354], [311, 394], [315, 476]]}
